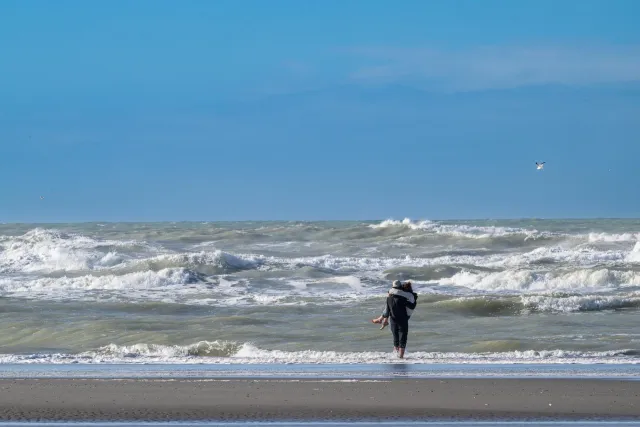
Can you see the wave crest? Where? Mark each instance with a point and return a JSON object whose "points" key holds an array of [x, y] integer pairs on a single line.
{"points": [[158, 351], [52, 250], [577, 303], [529, 280], [462, 230], [208, 263], [165, 280], [221, 352]]}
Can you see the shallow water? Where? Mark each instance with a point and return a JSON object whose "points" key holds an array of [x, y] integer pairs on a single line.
{"points": [[318, 371]]}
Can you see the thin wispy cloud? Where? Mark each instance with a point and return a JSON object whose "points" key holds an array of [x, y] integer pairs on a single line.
{"points": [[495, 67]]}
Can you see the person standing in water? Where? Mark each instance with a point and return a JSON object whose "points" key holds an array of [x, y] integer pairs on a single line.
{"points": [[397, 306]]}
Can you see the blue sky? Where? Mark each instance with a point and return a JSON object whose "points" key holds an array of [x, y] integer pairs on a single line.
{"points": [[233, 110]]}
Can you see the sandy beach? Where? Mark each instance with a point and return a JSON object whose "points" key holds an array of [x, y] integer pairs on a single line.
{"points": [[275, 399]]}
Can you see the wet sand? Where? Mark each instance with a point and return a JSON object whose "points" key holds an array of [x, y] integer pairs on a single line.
{"points": [[308, 399]]}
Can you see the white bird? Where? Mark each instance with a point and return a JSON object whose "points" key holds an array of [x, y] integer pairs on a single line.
{"points": [[41, 197], [540, 165]]}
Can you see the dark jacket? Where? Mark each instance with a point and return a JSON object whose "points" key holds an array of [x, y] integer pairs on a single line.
{"points": [[397, 307]]}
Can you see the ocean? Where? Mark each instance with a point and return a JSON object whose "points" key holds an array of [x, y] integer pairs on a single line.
{"points": [[529, 292]]}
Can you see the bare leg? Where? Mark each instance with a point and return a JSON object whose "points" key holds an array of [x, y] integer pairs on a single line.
{"points": [[401, 353]]}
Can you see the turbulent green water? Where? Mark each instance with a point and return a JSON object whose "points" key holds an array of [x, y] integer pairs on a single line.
{"points": [[304, 292]]}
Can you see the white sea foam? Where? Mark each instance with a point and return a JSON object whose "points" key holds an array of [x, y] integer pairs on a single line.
{"points": [[634, 255], [461, 230], [486, 232], [94, 269], [575, 303], [528, 280], [217, 352], [49, 250], [573, 256], [214, 262], [615, 237], [181, 285], [178, 278], [167, 281]]}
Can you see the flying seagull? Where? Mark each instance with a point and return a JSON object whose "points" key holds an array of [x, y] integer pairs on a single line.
{"points": [[540, 165], [41, 197]]}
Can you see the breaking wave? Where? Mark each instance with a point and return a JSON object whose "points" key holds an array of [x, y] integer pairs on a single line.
{"points": [[223, 352], [209, 263], [536, 281], [492, 232], [51, 264], [550, 303], [52, 250], [578, 303], [462, 230]]}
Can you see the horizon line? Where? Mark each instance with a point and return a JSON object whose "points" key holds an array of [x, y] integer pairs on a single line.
{"points": [[317, 220]]}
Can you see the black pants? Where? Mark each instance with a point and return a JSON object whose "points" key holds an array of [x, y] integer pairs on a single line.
{"points": [[400, 330]]}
